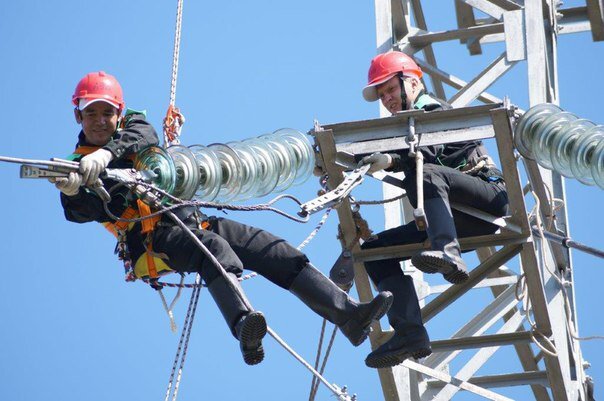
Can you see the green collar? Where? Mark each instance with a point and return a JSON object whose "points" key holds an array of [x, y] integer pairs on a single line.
{"points": [[424, 100]]}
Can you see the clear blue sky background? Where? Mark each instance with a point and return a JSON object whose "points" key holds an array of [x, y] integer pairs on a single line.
{"points": [[72, 329]]}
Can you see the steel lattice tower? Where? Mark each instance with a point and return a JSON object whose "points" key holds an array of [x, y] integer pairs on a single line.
{"points": [[530, 30]]}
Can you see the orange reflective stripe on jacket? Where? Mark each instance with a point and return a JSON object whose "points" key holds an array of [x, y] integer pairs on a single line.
{"points": [[86, 150]]}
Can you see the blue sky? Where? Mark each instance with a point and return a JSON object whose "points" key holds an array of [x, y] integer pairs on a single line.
{"points": [[73, 329]]}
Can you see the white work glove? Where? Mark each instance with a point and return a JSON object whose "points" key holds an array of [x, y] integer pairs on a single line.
{"points": [[92, 165], [378, 161], [70, 185]]}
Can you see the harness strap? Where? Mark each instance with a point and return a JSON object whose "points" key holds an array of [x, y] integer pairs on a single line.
{"points": [[151, 262], [148, 225], [114, 228]]}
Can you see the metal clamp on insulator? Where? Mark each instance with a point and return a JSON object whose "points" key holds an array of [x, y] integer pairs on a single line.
{"points": [[332, 198]]}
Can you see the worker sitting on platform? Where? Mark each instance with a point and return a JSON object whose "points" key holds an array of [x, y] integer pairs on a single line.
{"points": [[456, 172], [165, 246]]}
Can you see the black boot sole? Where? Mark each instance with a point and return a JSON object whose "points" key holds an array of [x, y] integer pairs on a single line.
{"points": [[250, 338], [432, 264], [383, 303], [393, 358]]}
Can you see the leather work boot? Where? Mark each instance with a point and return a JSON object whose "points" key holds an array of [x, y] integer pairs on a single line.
{"points": [[410, 337], [445, 256], [248, 326], [327, 300]]}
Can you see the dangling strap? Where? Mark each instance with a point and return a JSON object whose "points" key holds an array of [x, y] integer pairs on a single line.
{"points": [[124, 255], [170, 308]]}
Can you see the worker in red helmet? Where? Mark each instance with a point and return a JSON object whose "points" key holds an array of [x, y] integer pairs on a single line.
{"points": [[163, 246], [456, 172]]}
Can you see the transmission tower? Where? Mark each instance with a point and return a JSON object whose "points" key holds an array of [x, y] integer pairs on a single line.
{"points": [[538, 326]]}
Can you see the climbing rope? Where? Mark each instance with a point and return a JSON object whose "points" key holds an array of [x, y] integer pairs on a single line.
{"points": [[169, 309], [314, 387], [317, 359], [264, 206], [174, 119], [522, 295], [339, 392], [380, 202], [364, 232], [254, 274], [220, 206], [184, 340], [183, 344], [309, 238]]}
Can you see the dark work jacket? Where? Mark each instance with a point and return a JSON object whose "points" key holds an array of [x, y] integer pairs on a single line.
{"points": [[454, 155], [136, 135]]}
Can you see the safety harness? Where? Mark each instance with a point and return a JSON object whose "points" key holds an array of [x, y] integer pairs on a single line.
{"points": [[148, 266], [478, 162]]}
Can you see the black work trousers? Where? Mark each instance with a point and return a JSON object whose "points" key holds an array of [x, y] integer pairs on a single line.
{"points": [[236, 246], [452, 186]]}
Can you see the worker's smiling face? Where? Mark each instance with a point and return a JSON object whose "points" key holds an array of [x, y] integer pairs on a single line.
{"points": [[389, 94], [99, 122]]}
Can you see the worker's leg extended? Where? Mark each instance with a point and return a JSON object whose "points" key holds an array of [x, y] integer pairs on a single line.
{"points": [[289, 268], [247, 325]]}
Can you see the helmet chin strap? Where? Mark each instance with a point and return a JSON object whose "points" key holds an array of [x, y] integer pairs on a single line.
{"points": [[403, 92]]}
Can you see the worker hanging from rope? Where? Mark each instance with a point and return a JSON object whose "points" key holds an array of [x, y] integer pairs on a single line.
{"points": [[157, 246], [456, 172]]}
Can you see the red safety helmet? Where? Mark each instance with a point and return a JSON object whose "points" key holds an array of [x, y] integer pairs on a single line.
{"points": [[386, 65], [99, 86]]}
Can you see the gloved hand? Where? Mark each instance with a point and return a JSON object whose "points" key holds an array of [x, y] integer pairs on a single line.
{"points": [[378, 161], [92, 165], [70, 185]]}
